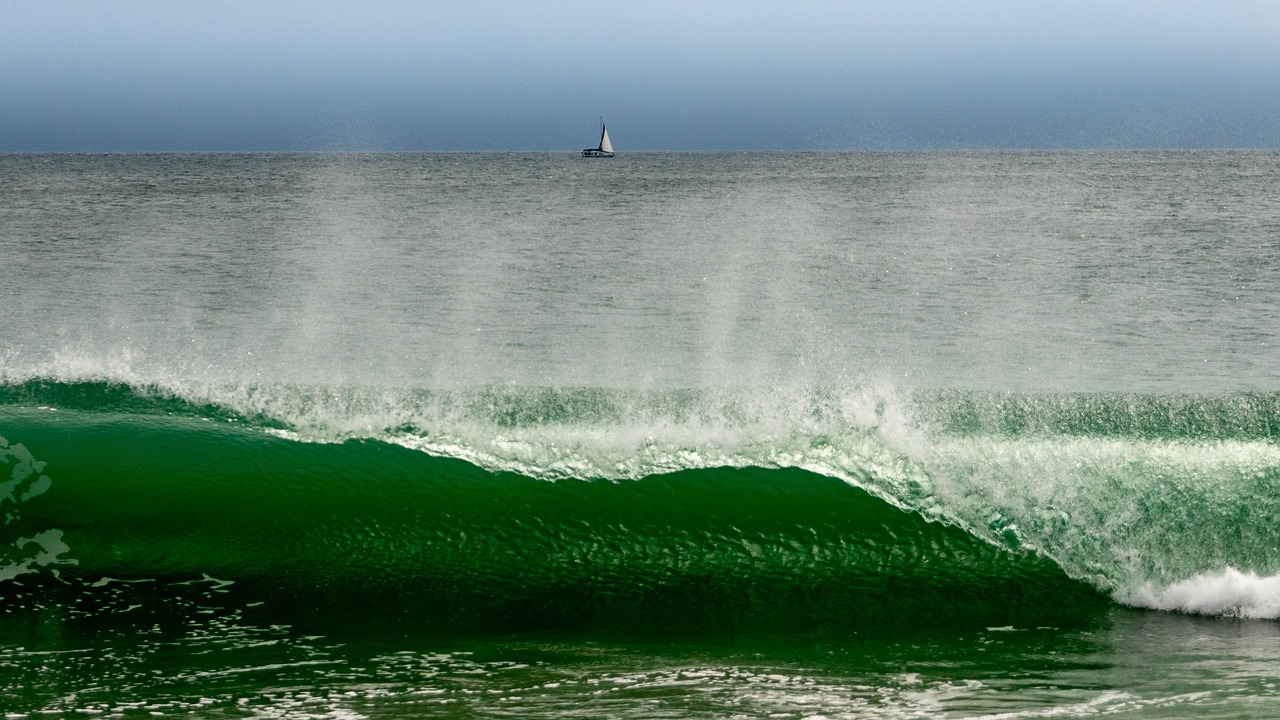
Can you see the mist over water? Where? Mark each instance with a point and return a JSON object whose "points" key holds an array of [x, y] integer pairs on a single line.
{"points": [[1070, 271]]}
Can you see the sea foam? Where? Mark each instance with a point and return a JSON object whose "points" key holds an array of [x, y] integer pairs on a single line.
{"points": [[1229, 593]]}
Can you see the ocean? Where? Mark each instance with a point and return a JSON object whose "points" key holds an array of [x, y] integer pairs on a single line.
{"points": [[669, 435]]}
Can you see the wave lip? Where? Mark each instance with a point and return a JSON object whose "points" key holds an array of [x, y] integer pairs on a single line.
{"points": [[1229, 593]]}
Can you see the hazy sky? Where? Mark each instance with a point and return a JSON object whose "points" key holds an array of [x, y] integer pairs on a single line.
{"points": [[139, 75]]}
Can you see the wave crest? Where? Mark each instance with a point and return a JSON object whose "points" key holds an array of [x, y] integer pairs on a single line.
{"points": [[1121, 492]]}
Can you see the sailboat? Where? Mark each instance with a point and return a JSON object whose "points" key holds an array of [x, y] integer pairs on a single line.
{"points": [[605, 149]]}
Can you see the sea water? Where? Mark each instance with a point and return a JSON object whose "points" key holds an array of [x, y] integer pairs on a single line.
{"points": [[661, 436]]}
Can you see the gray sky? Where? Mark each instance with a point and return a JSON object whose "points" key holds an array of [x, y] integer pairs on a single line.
{"points": [[147, 75]]}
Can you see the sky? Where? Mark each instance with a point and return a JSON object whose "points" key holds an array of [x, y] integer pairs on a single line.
{"points": [[520, 75]]}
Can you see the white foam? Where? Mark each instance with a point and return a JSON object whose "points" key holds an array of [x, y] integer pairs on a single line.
{"points": [[1229, 593]]}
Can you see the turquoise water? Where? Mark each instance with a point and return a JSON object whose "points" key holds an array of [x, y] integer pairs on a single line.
{"points": [[681, 435]]}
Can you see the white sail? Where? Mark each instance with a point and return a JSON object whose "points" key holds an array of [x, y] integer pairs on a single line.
{"points": [[605, 148]]}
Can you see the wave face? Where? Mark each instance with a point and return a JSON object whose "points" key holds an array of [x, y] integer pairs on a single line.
{"points": [[502, 508]]}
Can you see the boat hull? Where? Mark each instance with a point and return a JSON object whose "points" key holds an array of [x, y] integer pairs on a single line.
{"points": [[592, 152]]}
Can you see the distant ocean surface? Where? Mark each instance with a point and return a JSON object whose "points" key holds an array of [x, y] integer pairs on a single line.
{"points": [[685, 435]]}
